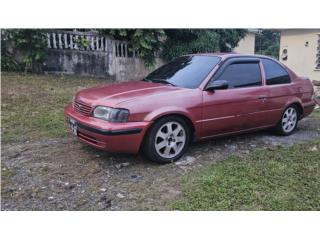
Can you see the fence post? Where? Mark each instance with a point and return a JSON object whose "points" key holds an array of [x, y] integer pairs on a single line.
{"points": [[48, 40], [59, 40], [76, 42], [101, 44], [88, 42], [54, 40], [126, 50], [65, 40], [71, 41], [92, 43], [105, 45]]}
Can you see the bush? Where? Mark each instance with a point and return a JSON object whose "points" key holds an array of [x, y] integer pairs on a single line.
{"points": [[23, 49]]}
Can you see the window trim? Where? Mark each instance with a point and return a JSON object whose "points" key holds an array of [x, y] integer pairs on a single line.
{"points": [[235, 60]]}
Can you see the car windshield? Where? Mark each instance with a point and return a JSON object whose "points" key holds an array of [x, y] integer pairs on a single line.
{"points": [[185, 71]]}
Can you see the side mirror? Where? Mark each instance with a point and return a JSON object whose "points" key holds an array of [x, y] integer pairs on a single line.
{"points": [[217, 84]]}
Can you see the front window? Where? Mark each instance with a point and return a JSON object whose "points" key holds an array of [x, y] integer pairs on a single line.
{"points": [[185, 71], [242, 75]]}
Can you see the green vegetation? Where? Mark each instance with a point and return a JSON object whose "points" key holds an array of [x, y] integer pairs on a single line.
{"points": [[176, 42], [28, 44], [316, 113], [186, 41], [274, 179], [32, 105], [268, 43], [144, 41]]}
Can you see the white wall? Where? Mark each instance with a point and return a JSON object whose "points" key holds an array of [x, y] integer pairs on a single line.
{"points": [[301, 45], [246, 45]]}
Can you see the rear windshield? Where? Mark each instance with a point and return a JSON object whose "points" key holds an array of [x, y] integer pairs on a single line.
{"points": [[185, 71]]}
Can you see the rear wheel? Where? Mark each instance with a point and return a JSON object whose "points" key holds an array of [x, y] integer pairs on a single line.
{"points": [[167, 140], [289, 121]]}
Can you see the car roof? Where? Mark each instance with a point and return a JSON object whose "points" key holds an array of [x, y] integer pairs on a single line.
{"points": [[225, 55]]}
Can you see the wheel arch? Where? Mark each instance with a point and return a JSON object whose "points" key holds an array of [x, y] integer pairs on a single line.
{"points": [[298, 105], [180, 114]]}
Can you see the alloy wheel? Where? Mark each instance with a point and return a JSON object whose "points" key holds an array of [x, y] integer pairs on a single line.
{"points": [[170, 139], [289, 119]]}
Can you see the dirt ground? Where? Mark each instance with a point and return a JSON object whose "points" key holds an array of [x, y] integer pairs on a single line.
{"points": [[64, 174]]}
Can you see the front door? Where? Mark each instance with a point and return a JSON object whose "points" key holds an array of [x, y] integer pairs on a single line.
{"points": [[241, 106]]}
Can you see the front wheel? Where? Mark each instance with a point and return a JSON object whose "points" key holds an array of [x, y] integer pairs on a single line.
{"points": [[289, 121], [167, 140]]}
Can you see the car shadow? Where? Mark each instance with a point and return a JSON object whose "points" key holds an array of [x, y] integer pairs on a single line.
{"points": [[228, 144]]}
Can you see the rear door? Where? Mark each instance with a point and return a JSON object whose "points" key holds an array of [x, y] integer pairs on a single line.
{"points": [[239, 107], [279, 89]]}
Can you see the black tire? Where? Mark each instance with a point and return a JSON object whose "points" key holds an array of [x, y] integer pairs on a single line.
{"points": [[149, 143], [280, 128]]}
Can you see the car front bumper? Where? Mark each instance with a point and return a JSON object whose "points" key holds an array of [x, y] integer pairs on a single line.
{"points": [[114, 137]]}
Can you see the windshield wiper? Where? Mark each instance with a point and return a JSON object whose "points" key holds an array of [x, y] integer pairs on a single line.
{"points": [[162, 81]]}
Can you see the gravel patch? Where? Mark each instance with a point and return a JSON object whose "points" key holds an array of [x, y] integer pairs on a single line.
{"points": [[64, 174]]}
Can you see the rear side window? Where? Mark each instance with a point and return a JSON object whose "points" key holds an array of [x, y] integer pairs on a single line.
{"points": [[275, 73], [242, 75]]}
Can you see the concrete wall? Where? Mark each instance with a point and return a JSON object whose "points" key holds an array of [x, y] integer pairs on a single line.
{"points": [[79, 62], [246, 45], [101, 56], [98, 64], [301, 46], [132, 68]]}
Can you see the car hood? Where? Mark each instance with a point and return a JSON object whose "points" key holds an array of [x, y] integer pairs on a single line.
{"points": [[115, 94]]}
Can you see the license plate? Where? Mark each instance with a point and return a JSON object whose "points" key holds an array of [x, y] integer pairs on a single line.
{"points": [[73, 126]]}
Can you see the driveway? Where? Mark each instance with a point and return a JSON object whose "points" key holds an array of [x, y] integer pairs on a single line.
{"points": [[64, 174]]}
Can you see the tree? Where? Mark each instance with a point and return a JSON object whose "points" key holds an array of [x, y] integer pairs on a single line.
{"points": [[170, 43], [176, 42], [268, 43], [28, 44], [145, 41], [185, 41]]}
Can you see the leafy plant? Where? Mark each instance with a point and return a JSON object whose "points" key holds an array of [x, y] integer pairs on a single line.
{"points": [[23, 49], [26, 48], [186, 41], [175, 42], [81, 42], [268, 43], [145, 41], [8, 63]]}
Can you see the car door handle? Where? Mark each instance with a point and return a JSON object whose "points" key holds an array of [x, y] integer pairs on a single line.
{"points": [[263, 97]]}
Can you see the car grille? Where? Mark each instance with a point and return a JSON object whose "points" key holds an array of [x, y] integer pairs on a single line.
{"points": [[82, 108]]}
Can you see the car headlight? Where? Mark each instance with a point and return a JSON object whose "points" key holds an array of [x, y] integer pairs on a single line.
{"points": [[111, 114]]}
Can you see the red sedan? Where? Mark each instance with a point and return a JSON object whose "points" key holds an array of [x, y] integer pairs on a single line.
{"points": [[191, 98]]}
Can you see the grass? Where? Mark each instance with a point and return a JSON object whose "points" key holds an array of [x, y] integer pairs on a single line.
{"points": [[278, 179], [32, 105], [316, 113]]}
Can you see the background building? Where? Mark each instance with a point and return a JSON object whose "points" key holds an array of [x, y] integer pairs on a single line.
{"points": [[247, 44], [300, 51]]}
